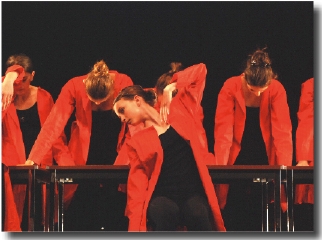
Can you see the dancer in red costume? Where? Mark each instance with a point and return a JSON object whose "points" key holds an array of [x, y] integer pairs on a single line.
{"points": [[252, 127], [163, 81], [169, 183], [24, 111], [96, 138], [304, 193]]}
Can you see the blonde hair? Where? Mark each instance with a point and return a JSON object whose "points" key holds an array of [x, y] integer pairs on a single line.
{"points": [[99, 83]]}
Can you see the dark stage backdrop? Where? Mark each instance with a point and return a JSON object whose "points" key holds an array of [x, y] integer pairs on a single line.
{"points": [[65, 39]]}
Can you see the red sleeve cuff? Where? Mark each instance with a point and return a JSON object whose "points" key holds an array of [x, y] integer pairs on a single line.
{"points": [[19, 69]]}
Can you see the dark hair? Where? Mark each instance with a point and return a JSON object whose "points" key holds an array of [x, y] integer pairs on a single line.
{"points": [[129, 92], [98, 83], [258, 70], [165, 78], [22, 60]]}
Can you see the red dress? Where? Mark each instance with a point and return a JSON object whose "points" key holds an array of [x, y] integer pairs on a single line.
{"points": [[304, 193], [275, 124], [146, 154]]}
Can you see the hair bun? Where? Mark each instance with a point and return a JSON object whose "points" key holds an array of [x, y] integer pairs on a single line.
{"points": [[100, 69], [175, 67], [260, 58], [150, 96]]}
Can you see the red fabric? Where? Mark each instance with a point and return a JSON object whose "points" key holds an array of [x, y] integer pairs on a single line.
{"points": [[304, 193], [13, 150], [11, 217], [13, 153], [230, 119], [73, 96], [146, 154], [199, 127], [199, 124], [16, 68]]}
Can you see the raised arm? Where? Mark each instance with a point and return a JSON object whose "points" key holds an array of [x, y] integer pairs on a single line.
{"points": [[190, 84], [14, 74]]}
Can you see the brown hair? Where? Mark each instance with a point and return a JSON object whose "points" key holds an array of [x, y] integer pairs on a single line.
{"points": [[258, 70], [165, 78], [129, 92], [98, 83], [22, 60]]}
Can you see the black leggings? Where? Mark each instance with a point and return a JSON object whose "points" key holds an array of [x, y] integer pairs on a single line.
{"points": [[164, 214]]}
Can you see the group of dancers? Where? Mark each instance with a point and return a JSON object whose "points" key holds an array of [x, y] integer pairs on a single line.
{"points": [[158, 131]]}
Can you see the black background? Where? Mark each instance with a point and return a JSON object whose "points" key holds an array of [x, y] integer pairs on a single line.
{"points": [[140, 39]]}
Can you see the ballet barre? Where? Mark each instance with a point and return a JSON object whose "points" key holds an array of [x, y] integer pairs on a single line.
{"points": [[219, 174], [55, 178], [263, 175]]}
